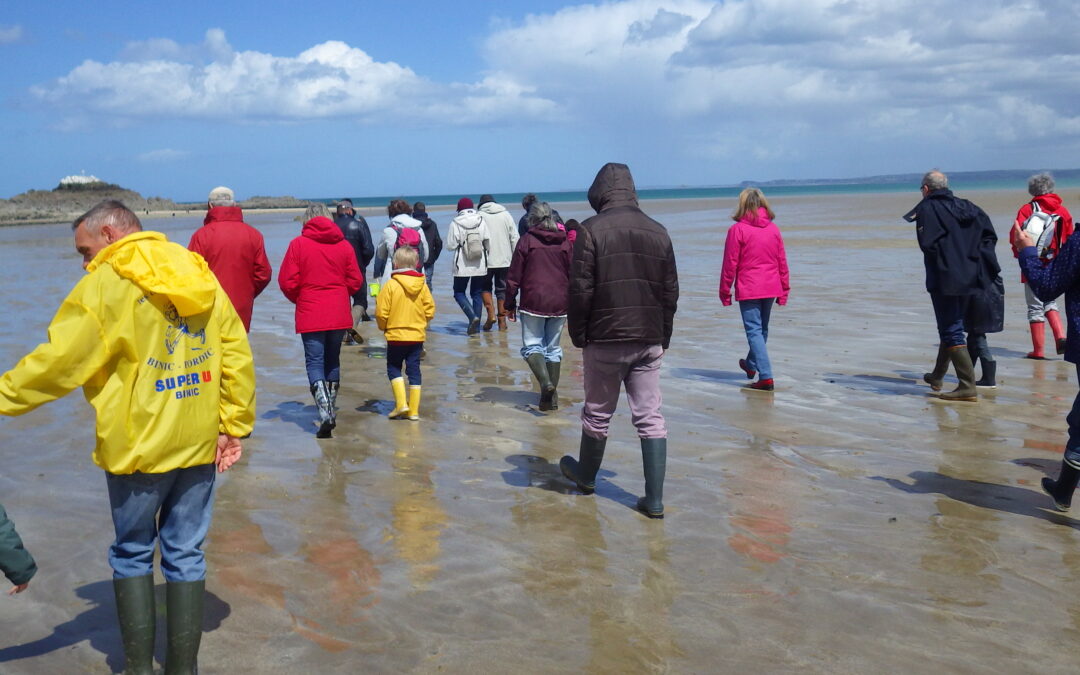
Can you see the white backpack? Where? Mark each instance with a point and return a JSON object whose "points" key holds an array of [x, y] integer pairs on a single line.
{"points": [[1042, 227], [473, 245]]}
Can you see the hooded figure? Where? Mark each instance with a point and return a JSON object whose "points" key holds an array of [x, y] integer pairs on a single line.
{"points": [[404, 309], [504, 238]]}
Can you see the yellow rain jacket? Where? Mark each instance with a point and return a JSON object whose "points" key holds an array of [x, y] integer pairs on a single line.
{"points": [[404, 307], [159, 351]]}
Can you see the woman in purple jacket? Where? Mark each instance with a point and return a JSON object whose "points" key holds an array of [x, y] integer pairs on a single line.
{"points": [[755, 261], [540, 269]]}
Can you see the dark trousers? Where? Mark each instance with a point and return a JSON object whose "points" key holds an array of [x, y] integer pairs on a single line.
{"points": [[496, 281], [322, 355], [949, 313], [407, 353], [1072, 450], [361, 297], [979, 347]]}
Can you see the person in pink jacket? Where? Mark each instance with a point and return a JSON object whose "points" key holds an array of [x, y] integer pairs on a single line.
{"points": [[754, 260]]}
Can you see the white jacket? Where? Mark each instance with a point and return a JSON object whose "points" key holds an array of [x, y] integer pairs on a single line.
{"points": [[502, 228], [463, 223], [389, 240]]}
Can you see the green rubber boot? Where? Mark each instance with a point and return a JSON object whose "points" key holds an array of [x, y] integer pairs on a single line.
{"points": [[582, 472], [941, 366], [554, 368], [654, 461], [135, 609], [539, 369], [184, 613]]}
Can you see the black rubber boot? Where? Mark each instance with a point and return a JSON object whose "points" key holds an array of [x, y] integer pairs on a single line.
{"points": [[654, 461], [582, 472], [1062, 489], [332, 388], [135, 609], [184, 611], [965, 373], [554, 368], [539, 369], [321, 393], [941, 366], [989, 375]]}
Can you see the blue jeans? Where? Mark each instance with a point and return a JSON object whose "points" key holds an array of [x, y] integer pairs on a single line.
{"points": [[541, 334], [322, 355], [429, 274], [174, 506], [755, 320], [949, 313], [409, 354], [476, 287]]}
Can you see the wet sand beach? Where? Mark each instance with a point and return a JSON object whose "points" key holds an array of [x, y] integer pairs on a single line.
{"points": [[847, 523]]}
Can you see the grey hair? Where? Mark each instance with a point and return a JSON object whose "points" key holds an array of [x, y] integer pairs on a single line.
{"points": [[540, 216], [109, 212], [316, 210], [221, 202], [935, 180], [1040, 184]]}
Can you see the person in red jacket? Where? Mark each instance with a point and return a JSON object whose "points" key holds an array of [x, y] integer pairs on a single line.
{"points": [[319, 275], [234, 250], [1041, 187]]}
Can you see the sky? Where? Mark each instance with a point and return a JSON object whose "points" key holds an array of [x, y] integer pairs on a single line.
{"points": [[366, 98]]}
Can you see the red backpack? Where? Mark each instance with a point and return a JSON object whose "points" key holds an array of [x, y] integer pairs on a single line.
{"points": [[407, 236]]}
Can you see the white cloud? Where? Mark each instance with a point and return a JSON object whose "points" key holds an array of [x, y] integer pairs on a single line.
{"points": [[162, 155], [10, 34]]}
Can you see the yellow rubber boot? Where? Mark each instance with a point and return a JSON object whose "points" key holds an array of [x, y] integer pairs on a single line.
{"points": [[414, 402], [401, 408]]}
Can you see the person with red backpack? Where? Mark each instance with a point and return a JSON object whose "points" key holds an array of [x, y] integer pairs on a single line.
{"points": [[402, 230], [1041, 188]]}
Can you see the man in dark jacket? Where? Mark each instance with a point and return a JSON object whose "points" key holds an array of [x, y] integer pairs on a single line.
{"points": [[356, 232], [15, 561], [623, 292], [431, 234], [957, 241]]}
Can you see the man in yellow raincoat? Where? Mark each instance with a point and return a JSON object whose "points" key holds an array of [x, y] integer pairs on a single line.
{"points": [[163, 358]]}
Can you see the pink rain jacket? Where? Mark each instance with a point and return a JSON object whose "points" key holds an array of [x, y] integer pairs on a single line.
{"points": [[754, 260]]}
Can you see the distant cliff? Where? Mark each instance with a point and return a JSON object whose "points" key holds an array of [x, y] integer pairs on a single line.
{"points": [[70, 199]]}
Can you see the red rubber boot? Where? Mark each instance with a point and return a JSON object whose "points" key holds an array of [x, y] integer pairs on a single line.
{"points": [[1037, 341]]}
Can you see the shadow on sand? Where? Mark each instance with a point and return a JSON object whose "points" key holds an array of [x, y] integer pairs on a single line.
{"points": [[900, 385], [295, 412], [534, 471], [1006, 498], [713, 376], [98, 625]]}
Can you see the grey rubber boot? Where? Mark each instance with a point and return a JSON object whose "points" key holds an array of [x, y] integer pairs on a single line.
{"points": [[539, 368], [582, 472], [183, 611], [321, 393], [654, 461], [941, 366], [333, 387], [135, 610], [965, 373], [554, 368]]}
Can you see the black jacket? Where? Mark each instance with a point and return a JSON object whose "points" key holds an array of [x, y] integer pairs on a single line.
{"points": [[957, 241], [623, 284], [431, 233], [356, 232]]}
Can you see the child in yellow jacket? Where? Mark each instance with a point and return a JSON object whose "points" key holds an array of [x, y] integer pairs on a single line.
{"points": [[404, 308]]}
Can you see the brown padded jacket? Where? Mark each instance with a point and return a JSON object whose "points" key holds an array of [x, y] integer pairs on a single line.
{"points": [[623, 284]]}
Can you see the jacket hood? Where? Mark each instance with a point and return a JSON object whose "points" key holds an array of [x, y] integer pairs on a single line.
{"points": [[322, 230], [149, 260], [411, 280], [613, 186], [468, 219], [405, 220], [1048, 201], [547, 236], [217, 214], [964, 211], [759, 220], [492, 208]]}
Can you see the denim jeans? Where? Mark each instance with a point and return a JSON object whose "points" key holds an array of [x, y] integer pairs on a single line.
{"points": [[429, 274], [755, 320], [174, 507], [476, 287], [322, 355], [949, 313], [407, 353], [541, 334]]}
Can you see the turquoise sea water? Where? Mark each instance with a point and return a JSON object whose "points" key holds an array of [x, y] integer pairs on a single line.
{"points": [[960, 181]]}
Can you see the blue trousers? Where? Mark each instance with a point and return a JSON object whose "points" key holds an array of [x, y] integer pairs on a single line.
{"points": [[949, 313], [173, 507], [322, 355], [541, 334], [755, 319], [472, 305], [407, 353]]}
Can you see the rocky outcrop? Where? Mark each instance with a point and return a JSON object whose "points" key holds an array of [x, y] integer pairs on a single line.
{"points": [[69, 200]]}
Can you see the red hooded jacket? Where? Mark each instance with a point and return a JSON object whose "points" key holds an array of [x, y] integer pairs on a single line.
{"points": [[234, 250], [319, 275], [1049, 203]]}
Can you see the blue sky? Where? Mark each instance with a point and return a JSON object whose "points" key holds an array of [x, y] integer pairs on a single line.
{"points": [[386, 98]]}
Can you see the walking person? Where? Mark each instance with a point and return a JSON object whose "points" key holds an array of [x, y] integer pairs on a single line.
{"points": [[1048, 280], [755, 262], [431, 237], [162, 356], [957, 241], [504, 238], [540, 269], [624, 290], [355, 230], [468, 239], [319, 275], [404, 309], [1044, 200], [402, 230]]}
